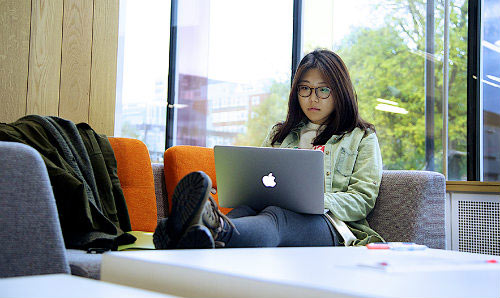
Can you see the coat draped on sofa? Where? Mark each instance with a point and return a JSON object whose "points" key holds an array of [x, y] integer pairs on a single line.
{"points": [[82, 171]]}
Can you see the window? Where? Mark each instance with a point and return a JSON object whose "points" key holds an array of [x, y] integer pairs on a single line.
{"points": [[229, 53], [141, 88], [407, 60], [395, 55], [490, 64]]}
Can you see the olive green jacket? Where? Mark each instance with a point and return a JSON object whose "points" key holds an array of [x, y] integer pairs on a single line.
{"points": [[353, 171], [82, 169]]}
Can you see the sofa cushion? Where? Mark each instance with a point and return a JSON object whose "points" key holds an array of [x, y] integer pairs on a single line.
{"points": [[160, 190], [136, 178], [83, 264], [411, 207], [182, 160]]}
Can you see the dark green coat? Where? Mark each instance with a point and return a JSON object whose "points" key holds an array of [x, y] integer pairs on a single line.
{"points": [[82, 170]]}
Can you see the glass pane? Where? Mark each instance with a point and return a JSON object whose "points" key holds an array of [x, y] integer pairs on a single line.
{"points": [[383, 43], [233, 70], [142, 72], [490, 64], [457, 90]]}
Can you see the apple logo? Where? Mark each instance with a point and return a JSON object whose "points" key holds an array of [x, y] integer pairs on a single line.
{"points": [[268, 180]]}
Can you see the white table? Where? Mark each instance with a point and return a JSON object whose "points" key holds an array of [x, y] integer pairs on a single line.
{"points": [[305, 272], [65, 285]]}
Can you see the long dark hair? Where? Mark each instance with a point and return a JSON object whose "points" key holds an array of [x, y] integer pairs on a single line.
{"points": [[345, 116]]}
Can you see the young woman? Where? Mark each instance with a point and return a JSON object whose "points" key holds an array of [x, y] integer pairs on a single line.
{"points": [[322, 115]]}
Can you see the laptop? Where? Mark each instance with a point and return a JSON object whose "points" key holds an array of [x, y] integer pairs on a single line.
{"points": [[259, 177]]}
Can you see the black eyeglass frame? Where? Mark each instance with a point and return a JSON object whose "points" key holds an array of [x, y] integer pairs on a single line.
{"points": [[315, 91]]}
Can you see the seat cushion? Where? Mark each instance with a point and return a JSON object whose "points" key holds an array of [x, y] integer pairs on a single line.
{"points": [[136, 178], [411, 207], [182, 160], [83, 264]]}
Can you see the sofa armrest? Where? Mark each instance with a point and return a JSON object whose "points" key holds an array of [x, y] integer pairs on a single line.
{"points": [[160, 190], [410, 208], [32, 241]]}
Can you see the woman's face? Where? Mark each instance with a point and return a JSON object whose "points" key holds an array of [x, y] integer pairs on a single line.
{"points": [[317, 108]]}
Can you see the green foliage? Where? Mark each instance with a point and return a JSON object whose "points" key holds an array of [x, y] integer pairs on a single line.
{"points": [[389, 63], [381, 66]]}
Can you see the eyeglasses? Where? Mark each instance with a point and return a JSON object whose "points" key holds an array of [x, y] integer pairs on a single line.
{"points": [[321, 92]]}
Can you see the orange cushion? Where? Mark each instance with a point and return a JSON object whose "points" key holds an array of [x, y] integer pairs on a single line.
{"points": [[136, 178], [182, 160]]}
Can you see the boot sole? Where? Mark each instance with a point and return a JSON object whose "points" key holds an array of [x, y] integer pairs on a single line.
{"points": [[160, 237], [188, 200], [196, 236]]}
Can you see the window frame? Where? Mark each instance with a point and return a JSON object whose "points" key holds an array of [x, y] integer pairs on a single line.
{"points": [[474, 108]]}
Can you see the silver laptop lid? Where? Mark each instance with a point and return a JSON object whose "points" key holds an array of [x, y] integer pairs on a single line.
{"points": [[260, 177]]}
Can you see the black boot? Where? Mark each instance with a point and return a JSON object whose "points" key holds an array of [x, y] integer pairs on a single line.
{"points": [[195, 220], [206, 227]]}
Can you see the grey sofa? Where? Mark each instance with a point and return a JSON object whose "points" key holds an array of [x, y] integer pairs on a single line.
{"points": [[410, 207]]}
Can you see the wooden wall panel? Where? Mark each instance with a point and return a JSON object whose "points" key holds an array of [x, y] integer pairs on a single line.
{"points": [[14, 54], [58, 57], [45, 57], [103, 74], [76, 60]]}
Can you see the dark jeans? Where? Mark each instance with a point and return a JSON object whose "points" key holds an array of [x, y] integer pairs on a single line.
{"points": [[275, 226]]}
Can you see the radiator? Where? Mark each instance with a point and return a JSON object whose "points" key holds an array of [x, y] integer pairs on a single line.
{"points": [[475, 223]]}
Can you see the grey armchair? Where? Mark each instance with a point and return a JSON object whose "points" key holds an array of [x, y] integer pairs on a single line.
{"points": [[31, 236]]}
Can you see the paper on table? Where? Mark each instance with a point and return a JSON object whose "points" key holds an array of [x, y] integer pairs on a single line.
{"points": [[144, 241], [420, 263]]}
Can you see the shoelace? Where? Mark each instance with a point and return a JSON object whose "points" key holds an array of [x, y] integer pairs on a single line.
{"points": [[219, 215]]}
